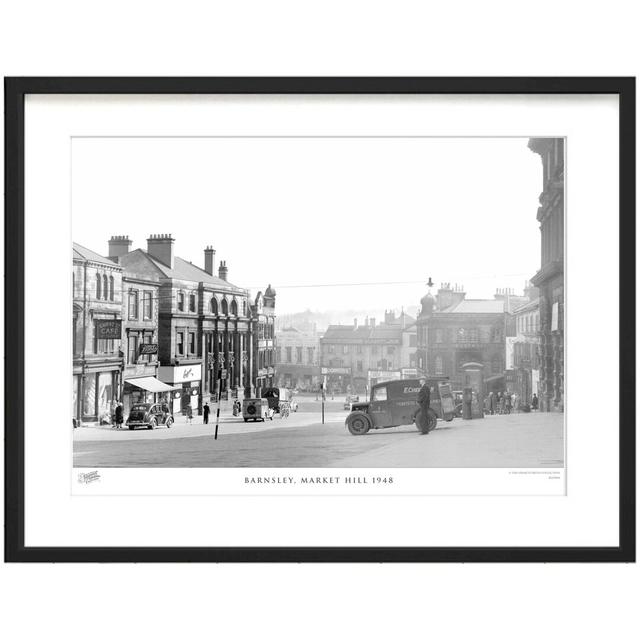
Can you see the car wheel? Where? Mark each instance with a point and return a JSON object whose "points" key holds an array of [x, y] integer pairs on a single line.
{"points": [[152, 425], [169, 422], [246, 419], [427, 423], [131, 427], [358, 424]]}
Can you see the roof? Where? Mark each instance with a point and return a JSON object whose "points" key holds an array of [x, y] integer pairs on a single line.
{"points": [[82, 253], [183, 270], [366, 333], [528, 306], [476, 306]]}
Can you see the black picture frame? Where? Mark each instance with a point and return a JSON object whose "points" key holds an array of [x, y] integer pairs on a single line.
{"points": [[15, 91]]}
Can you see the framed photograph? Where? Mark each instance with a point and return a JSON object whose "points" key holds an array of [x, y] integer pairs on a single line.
{"points": [[320, 319]]}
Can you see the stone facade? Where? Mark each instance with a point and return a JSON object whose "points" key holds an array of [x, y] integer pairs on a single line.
{"points": [[298, 359], [453, 331], [97, 362], [550, 278]]}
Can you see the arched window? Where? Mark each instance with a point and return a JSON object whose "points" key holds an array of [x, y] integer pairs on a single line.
{"points": [[105, 287], [111, 288], [98, 286], [234, 308], [244, 307], [214, 306], [225, 307]]}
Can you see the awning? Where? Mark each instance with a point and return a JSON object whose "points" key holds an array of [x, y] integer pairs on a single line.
{"points": [[494, 378], [150, 384]]}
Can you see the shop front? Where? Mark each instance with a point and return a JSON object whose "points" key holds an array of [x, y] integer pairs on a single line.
{"points": [[95, 394], [144, 389], [185, 381]]}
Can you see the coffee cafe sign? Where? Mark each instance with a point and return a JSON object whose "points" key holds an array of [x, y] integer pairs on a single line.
{"points": [[108, 329]]}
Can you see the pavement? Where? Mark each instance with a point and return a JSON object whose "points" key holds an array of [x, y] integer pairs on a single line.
{"points": [[507, 441]]}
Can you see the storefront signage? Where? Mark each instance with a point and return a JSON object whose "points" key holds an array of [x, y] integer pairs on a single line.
{"points": [[108, 329], [337, 370], [182, 373], [147, 349]]}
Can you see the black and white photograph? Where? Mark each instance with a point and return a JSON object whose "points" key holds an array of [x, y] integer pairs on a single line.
{"points": [[318, 301]]}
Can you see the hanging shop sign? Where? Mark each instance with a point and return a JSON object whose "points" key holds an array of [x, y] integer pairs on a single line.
{"points": [[148, 349]]}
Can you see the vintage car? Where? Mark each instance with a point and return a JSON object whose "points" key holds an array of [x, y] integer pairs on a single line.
{"points": [[256, 409], [149, 415], [395, 402]]}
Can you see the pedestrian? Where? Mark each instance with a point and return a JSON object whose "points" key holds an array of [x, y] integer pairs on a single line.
{"points": [[516, 402], [424, 402], [205, 413], [492, 403], [189, 414], [119, 415], [534, 402], [507, 403], [501, 403]]}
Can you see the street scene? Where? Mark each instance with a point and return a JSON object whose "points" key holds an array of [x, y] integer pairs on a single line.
{"points": [[301, 440], [191, 354]]}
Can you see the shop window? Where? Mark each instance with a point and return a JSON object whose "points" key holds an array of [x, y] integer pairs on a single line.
{"points": [[214, 306], [133, 305], [180, 343], [192, 303], [234, 308], [225, 307], [180, 301], [98, 286]]}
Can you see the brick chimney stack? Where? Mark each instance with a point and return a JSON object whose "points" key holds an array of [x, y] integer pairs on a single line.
{"points": [[210, 260], [223, 272], [160, 247], [119, 246]]}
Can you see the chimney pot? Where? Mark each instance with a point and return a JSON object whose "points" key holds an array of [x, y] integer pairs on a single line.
{"points": [[119, 246]]}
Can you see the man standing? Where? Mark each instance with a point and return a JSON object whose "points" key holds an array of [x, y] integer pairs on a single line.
{"points": [[424, 400], [534, 402], [205, 413]]}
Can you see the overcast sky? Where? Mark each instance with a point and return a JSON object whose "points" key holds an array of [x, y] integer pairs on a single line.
{"points": [[317, 211]]}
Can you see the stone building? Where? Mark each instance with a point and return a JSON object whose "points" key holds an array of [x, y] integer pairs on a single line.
{"points": [[209, 331], [453, 331], [355, 356], [297, 359], [550, 278], [140, 326], [525, 345], [96, 337]]}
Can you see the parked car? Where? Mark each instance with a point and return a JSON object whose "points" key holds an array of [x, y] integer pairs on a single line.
{"points": [[256, 409], [149, 415]]}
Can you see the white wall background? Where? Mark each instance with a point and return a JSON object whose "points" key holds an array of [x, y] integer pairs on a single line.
{"points": [[327, 38]]}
